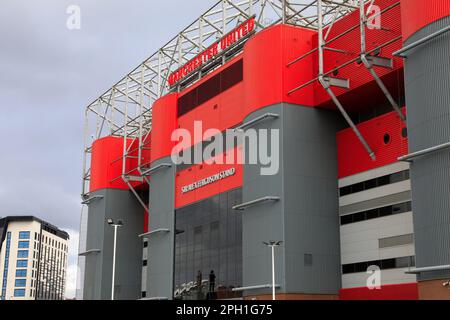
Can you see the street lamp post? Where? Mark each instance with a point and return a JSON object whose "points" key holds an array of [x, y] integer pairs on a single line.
{"points": [[272, 244], [116, 225]]}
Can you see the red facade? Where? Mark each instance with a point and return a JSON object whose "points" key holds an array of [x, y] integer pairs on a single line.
{"points": [[384, 134], [106, 164], [416, 14], [164, 115], [406, 291], [202, 171]]}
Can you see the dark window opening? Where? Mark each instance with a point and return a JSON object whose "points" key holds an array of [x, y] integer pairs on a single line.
{"points": [[211, 88], [376, 213], [374, 183], [402, 262], [308, 259]]}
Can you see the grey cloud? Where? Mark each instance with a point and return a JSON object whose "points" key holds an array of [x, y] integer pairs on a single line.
{"points": [[48, 75]]}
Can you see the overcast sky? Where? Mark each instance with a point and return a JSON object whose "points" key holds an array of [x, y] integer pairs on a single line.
{"points": [[48, 74]]}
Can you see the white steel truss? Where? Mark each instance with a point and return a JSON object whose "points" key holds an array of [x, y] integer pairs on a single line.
{"points": [[368, 58], [125, 110]]}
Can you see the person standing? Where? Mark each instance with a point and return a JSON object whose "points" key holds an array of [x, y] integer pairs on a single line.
{"points": [[212, 281]]}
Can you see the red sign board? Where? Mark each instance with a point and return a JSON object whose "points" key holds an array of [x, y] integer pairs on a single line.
{"points": [[212, 51]]}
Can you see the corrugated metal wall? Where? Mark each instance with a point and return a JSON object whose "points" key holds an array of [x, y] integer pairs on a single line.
{"points": [[427, 80]]}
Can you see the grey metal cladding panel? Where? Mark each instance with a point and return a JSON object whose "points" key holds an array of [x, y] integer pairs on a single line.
{"points": [[93, 275], [263, 222], [320, 278], [260, 223], [122, 204], [431, 209], [252, 172], [306, 218], [376, 203], [161, 245], [427, 84], [162, 187], [311, 222], [309, 141], [311, 200], [116, 204], [396, 241]]}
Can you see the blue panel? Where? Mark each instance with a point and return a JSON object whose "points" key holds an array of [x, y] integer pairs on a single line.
{"points": [[19, 293], [24, 244], [24, 235]]}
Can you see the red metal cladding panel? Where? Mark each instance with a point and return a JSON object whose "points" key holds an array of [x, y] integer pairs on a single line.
{"points": [[417, 14], [407, 291], [350, 43], [220, 112], [263, 74], [201, 171], [297, 42], [164, 119], [106, 164], [384, 134], [267, 76]]}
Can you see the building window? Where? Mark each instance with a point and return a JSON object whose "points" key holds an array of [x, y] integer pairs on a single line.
{"points": [[145, 244], [211, 88], [209, 238], [374, 183], [19, 293], [308, 259], [24, 244], [22, 263], [20, 283], [376, 213], [22, 254], [395, 263], [21, 273], [143, 294], [144, 263], [24, 235]]}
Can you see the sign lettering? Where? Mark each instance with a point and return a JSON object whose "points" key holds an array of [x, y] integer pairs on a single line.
{"points": [[212, 51], [201, 183]]}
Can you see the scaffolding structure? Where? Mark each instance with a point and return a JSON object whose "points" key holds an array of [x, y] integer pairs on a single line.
{"points": [[125, 110]]}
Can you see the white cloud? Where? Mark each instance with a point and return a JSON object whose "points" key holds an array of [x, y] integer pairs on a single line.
{"points": [[72, 268]]}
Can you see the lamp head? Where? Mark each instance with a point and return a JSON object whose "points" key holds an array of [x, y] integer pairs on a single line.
{"points": [[272, 243]]}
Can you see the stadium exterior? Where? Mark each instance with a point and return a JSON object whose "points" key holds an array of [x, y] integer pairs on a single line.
{"points": [[358, 93]]}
